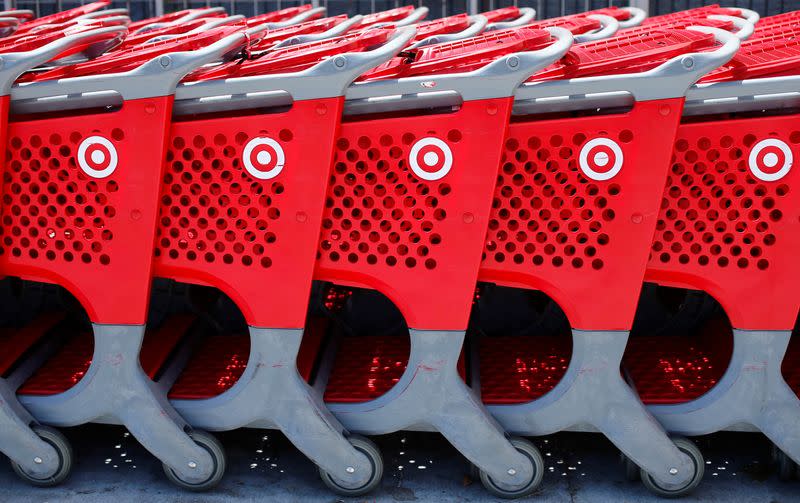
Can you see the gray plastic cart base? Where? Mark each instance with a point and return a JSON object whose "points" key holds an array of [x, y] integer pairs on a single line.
{"points": [[116, 390], [592, 396], [272, 394], [19, 442], [432, 396], [751, 396]]}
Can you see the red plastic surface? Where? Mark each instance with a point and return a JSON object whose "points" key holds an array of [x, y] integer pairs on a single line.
{"points": [[503, 14], [724, 231], [766, 56], [31, 41], [218, 363], [386, 16], [575, 24], [367, 367], [221, 226], [678, 368], [451, 24], [461, 55], [521, 369], [61, 17], [271, 37], [638, 49], [93, 236], [698, 13], [615, 12], [281, 15], [583, 242], [418, 242], [67, 367], [17, 341], [173, 17]]}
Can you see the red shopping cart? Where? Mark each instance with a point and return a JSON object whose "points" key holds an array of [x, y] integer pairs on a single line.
{"points": [[78, 202]]}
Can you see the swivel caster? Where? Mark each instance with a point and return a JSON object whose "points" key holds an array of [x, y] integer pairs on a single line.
{"points": [[370, 450], [689, 448], [217, 453], [65, 458], [527, 487]]}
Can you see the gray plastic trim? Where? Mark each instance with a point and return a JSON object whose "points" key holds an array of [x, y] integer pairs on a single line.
{"points": [[637, 16], [326, 79], [608, 27], [476, 26], [157, 77], [671, 79], [14, 64], [498, 79], [211, 24], [744, 28], [104, 13], [303, 16], [527, 15], [750, 15], [742, 95], [416, 15], [191, 16], [339, 29]]}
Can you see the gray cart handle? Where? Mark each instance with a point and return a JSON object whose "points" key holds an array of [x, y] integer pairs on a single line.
{"points": [[104, 13], [299, 18], [14, 64], [608, 27], [749, 15], [326, 79], [744, 28], [526, 16], [157, 77], [637, 16], [339, 29], [476, 25], [211, 24], [191, 16], [416, 15], [669, 80], [497, 79]]}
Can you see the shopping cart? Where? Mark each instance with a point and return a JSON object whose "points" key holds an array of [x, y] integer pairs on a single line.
{"points": [[36, 24], [80, 198], [508, 17], [583, 167], [401, 16], [726, 227], [405, 214], [241, 208]]}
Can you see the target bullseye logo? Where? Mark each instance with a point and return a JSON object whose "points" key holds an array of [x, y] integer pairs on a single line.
{"points": [[263, 158], [97, 157], [430, 159], [770, 160], [601, 159]]}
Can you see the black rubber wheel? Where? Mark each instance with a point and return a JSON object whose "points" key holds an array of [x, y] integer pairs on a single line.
{"points": [[537, 472], [65, 458], [689, 448], [217, 453], [371, 451]]}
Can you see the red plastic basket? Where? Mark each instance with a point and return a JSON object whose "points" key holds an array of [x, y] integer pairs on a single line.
{"points": [[61, 17]]}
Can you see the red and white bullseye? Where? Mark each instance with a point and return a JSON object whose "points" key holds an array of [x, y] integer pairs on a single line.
{"points": [[770, 160], [97, 157], [430, 159], [263, 158], [601, 159]]}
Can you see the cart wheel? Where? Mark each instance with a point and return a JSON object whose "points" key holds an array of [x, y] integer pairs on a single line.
{"points": [[787, 469], [689, 448], [537, 464], [57, 441], [217, 453], [631, 469], [371, 451]]}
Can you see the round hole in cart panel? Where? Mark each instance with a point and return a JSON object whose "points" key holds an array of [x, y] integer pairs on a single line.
{"points": [[601, 159], [770, 160], [430, 159], [97, 157], [263, 158]]}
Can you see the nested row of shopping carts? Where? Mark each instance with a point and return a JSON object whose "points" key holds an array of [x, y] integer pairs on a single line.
{"points": [[337, 227]]}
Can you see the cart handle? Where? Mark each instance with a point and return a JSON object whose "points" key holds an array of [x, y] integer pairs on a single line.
{"points": [[326, 79], [22, 14], [157, 77], [190, 16], [744, 27], [608, 27], [637, 16], [748, 14], [299, 18], [498, 79], [417, 14], [104, 13], [211, 24], [14, 64], [526, 16], [671, 79], [8, 25], [338, 30], [477, 25]]}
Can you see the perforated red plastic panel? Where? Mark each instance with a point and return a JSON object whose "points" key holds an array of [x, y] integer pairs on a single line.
{"points": [[17, 341], [725, 231], [521, 369], [678, 369], [574, 229], [246, 227], [773, 55], [416, 240], [67, 367], [90, 229], [367, 367], [219, 362]]}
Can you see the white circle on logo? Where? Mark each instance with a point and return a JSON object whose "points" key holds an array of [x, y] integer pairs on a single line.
{"points": [[597, 154], [263, 158], [97, 157], [773, 150], [435, 155]]}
